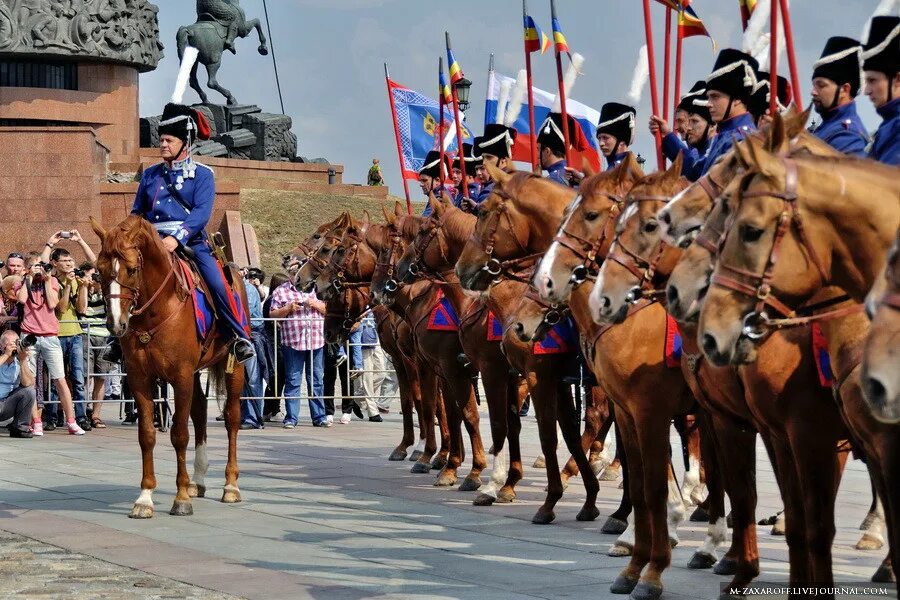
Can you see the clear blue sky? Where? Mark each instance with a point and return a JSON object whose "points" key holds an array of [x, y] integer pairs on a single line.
{"points": [[330, 55]]}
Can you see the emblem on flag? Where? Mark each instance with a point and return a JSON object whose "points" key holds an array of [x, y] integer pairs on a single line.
{"points": [[535, 39]]}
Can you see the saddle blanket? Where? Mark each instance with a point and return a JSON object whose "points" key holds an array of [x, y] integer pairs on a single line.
{"points": [[204, 315], [673, 343], [561, 339], [823, 360], [443, 317], [494, 329]]}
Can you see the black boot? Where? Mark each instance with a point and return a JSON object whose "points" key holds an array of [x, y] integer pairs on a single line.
{"points": [[243, 350]]}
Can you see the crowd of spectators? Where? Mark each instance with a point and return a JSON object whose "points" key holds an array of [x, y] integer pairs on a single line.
{"points": [[56, 370]]}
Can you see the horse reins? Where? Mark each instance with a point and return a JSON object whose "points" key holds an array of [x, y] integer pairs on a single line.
{"points": [[585, 249], [494, 266]]}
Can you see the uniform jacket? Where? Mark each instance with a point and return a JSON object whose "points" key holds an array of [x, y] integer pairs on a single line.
{"points": [[156, 204], [729, 131], [844, 131], [886, 147]]}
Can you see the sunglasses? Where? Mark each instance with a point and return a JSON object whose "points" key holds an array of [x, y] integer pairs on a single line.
{"points": [[15, 255]]}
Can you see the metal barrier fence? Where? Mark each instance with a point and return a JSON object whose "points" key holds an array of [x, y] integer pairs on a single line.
{"points": [[353, 380]]}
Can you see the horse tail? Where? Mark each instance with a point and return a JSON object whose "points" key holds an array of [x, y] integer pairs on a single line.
{"points": [[216, 382]]}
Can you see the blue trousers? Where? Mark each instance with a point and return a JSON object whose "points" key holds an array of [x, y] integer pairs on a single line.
{"points": [[298, 363], [209, 270], [73, 355], [255, 375]]}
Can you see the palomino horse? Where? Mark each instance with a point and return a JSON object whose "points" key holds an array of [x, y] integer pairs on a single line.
{"points": [[881, 366], [790, 236], [150, 311]]}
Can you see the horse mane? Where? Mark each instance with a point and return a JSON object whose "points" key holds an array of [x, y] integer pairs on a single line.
{"points": [[459, 225], [410, 225], [124, 239]]}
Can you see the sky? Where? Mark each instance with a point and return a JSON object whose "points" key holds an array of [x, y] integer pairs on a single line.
{"points": [[330, 56]]}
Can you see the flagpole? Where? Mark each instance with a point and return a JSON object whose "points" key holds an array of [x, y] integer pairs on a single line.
{"points": [[535, 167], [562, 91], [459, 130], [666, 61], [792, 57], [387, 79], [441, 104], [773, 60], [679, 40], [654, 96]]}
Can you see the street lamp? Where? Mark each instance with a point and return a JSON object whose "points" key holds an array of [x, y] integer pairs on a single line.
{"points": [[462, 93]]}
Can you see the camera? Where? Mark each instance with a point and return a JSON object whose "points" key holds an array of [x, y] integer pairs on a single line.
{"points": [[79, 273], [66, 235], [27, 341], [95, 277]]}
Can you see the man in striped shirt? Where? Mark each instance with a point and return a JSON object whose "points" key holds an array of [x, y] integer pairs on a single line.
{"points": [[302, 338]]}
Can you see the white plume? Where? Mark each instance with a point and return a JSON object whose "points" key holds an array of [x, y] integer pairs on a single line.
{"points": [[502, 100], [184, 73], [885, 7], [569, 79], [641, 73], [758, 23], [517, 99], [761, 49]]}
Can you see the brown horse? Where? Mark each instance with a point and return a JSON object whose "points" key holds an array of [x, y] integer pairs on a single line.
{"points": [[881, 366], [783, 221], [318, 253], [150, 312]]}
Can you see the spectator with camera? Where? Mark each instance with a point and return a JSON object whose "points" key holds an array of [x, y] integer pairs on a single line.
{"points": [[39, 297], [72, 305], [17, 396]]}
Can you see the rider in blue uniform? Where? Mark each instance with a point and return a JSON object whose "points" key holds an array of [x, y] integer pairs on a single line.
{"points": [[495, 149], [836, 83], [728, 91], [615, 132], [471, 163], [430, 180], [881, 63], [177, 197], [699, 132], [551, 149], [759, 100]]}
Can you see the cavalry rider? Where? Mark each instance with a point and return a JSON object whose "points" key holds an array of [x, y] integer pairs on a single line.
{"points": [[430, 177], [495, 149], [759, 101], [615, 132], [881, 63], [176, 196], [551, 148], [728, 91], [700, 128], [471, 163], [836, 83]]}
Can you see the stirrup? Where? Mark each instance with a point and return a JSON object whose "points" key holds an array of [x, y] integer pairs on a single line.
{"points": [[243, 350]]}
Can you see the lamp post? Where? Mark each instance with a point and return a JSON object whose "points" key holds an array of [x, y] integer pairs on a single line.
{"points": [[462, 91]]}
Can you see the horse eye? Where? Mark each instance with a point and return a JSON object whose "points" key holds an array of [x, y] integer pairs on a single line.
{"points": [[750, 234], [591, 216], [317, 236], [651, 226], [131, 271]]}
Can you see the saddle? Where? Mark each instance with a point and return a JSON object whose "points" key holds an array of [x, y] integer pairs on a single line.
{"points": [[193, 284]]}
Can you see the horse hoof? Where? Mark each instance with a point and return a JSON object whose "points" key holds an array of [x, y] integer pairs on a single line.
{"points": [[263, 50], [483, 500], [647, 591], [505, 496], [620, 550], [445, 479], [699, 516], [141, 511], [420, 467], [587, 513], [701, 560], [539, 463], [725, 566], [623, 585], [870, 542], [609, 475], [470, 484], [397, 454], [196, 491], [778, 526], [182, 509], [884, 574], [439, 463], [673, 542], [231, 496], [614, 526], [416, 455], [542, 517]]}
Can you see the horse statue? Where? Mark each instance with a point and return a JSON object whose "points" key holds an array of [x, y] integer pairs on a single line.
{"points": [[219, 23], [150, 310]]}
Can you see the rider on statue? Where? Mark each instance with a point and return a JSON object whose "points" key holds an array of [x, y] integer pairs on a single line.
{"points": [[177, 197]]}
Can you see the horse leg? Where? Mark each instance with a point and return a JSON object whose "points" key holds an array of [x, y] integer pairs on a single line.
{"points": [[617, 523], [641, 530], [443, 453], [495, 390], [543, 398], [567, 416], [197, 486], [142, 387], [255, 24], [405, 390], [794, 507], [873, 525], [234, 383], [428, 385], [514, 429], [693, 485], [180, 436], [212, 70], [595, 429]]}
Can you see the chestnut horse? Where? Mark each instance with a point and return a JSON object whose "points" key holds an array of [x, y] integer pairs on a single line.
{"points": [[789, 238], [881, 365], [149, 310]]}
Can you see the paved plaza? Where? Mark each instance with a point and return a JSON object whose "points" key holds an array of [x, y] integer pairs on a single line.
{"points": [[325, 515]]}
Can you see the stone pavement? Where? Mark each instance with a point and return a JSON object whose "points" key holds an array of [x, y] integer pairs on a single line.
{"points": [[325, 515]]}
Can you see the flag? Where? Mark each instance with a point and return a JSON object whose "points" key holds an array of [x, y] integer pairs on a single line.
{"points": [[584, 140], [559, 37], [747, 8], [677, 5], [689, 24], [445, 89], [456, 72], [418, 117], [535, 39]]}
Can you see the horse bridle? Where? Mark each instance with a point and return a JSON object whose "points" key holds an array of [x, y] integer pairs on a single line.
{"points": [[348, 322], [585, 249], [134, 294], [340, 271], [417, 267], [756, 324], [391, 284]]}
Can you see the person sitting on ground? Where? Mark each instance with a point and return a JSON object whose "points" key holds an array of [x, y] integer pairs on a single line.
{"points": [[17, 396]]}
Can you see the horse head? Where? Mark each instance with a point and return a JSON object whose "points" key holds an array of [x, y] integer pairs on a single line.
{"points": [[639, 258], [319, 255], [352, 260], [131, 253], [438, 244], [400, 230], [585, 232], [881, 377]]}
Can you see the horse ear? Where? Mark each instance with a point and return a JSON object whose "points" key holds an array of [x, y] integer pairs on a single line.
{"points": [[98, 229], [498, 175], [673, 173], [777, 139], [762, 160], [399, 210], [387, 215], [742, 152], [367, 218]]}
